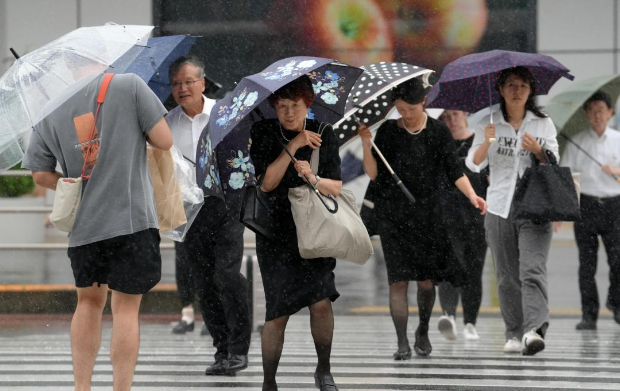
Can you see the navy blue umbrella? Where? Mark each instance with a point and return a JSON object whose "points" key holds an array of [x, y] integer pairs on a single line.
{"points": [[247, 103], [151, 63]]}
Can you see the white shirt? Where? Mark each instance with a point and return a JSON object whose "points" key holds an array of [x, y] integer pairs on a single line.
{"points": [[186, 131], [507, 158], [606, 149]]}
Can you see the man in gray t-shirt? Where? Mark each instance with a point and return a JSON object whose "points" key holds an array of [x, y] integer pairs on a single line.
{"points": [[115, 241]]}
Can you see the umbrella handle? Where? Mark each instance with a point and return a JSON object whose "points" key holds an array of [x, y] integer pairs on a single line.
{"points": [[399, 182], [492, 139]]}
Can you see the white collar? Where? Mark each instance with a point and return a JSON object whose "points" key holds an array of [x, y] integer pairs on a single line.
{"points": [[207, 105], [529, 116], [603, 137]]}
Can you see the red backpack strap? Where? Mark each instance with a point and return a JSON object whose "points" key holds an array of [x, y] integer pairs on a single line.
{"points": [[100, 99]]}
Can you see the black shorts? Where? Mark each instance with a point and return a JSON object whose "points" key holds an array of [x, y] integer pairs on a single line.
{"points": [[129, 263]]}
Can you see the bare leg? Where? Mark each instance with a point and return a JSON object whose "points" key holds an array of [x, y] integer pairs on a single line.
{"points": [[272, 342], [322, 326], [399, 309], [125, 338], [86, 333]]}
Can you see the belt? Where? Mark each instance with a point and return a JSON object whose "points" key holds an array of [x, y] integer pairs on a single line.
{"points": [[600, 200]]}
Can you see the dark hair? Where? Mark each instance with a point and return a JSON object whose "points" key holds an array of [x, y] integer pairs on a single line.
{"points": [[298, 88], [524, 74], [411, 91], [598, 96], [184, 60]]}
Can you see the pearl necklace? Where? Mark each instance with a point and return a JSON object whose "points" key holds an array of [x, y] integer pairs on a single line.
{"points": [[282, 132], [410, 132]]}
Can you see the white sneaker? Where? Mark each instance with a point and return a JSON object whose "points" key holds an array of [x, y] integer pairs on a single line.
{"points": [[532, 343], [470, 333], [447, 327], [512, 346]]}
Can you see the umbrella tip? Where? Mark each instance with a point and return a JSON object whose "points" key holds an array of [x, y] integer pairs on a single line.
{"points": [[14, 53]]}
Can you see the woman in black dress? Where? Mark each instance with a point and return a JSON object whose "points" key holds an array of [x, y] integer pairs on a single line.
{"points": [[465, 228], [291, 282], [415, 244]]}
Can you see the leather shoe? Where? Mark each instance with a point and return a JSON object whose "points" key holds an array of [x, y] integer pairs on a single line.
{"points": [[182, 327], [219, 368], [402, 354], [422, 344], [586, 324], [325, 382], [236, 363]]}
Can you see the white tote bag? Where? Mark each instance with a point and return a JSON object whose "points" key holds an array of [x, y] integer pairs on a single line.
{"points": [[66, 203], [322, 234]]}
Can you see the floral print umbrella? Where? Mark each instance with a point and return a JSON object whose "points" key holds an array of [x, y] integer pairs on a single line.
{"points": [[468, 83], [228, 130]]}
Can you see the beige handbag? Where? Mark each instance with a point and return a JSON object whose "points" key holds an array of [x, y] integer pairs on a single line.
{"points": [[69, 190], [166, 189], [321, 233]]}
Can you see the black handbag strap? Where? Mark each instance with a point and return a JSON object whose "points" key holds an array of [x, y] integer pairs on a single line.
{"points": [[550, 156]]}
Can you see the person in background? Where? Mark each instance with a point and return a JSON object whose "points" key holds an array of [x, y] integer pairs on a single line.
{"points": [[415, 244], [600, 206], [465, 227], [213, 246], [292, 283], [519, 247], [186, 122], [114, 244]]}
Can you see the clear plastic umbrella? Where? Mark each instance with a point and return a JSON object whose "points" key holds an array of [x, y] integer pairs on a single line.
{"points": [[40, 78]]}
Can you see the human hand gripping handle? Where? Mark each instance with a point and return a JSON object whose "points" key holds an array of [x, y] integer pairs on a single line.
{"points": [[489, 133]]}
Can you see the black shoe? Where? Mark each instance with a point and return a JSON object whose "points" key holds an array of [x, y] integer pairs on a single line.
{"points": [[422, 345], [204, 330], [220, 368], [402, 355], [236, 363], [325, 382], [182, 327], [586, 324]]}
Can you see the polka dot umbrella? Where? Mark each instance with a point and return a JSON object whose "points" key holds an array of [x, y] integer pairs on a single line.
{"points": [[371, 96]]}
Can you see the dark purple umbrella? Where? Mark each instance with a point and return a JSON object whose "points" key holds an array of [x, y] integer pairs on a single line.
{"points": [[468, 84]]}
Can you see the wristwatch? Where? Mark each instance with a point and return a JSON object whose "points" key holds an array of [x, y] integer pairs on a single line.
{"points": [[318, 179]]}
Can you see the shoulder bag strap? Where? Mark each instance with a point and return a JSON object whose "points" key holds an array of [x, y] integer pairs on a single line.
{"points": [[100, 99], [314, 159]]}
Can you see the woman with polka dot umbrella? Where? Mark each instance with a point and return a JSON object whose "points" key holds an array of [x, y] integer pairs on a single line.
{"points": [[468, 84], [370, 99]]}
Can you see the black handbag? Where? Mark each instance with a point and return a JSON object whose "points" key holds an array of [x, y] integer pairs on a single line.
{"points": [[256, 211], [546, 192]]}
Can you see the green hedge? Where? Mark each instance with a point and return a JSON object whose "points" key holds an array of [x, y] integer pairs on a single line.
{"points": [[16, 186]]}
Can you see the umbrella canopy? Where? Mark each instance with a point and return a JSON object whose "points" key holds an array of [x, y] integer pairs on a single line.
{"points": [[371, 97], [38, 78], [565, 109], [468, 83], [151, 62], [234, 115]]}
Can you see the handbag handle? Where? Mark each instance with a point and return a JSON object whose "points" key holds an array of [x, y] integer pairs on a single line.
{"points": [[550, 156], [308, 182], [100, 99]]}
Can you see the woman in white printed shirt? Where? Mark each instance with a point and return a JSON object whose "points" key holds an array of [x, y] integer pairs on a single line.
{"points": [[519, 247]]}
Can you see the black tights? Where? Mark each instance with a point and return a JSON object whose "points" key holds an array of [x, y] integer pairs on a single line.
{"points": [[399, 308], [272, 341]]}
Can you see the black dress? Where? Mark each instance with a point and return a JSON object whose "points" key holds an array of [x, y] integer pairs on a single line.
{"points": [[415, 243], [291, 282]]}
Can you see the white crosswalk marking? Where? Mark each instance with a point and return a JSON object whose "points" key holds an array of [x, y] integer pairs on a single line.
{"points": [[40, 359]]}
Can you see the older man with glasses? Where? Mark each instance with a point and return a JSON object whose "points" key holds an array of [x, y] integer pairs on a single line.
{"points": [[209, 259]]}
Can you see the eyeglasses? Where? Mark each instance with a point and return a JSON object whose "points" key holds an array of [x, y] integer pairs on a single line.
{"points": [[177, 85]]}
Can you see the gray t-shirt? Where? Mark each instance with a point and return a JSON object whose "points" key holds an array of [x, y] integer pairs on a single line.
{"points": [[118, 198]]}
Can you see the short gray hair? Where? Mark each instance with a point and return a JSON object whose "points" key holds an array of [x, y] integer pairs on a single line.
{"points": [[184, 60]]}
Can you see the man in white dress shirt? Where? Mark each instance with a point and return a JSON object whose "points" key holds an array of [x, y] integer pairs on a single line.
{"points": [[600, 205], [213, 247]]}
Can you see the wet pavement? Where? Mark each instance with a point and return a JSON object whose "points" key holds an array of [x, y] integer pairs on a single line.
{"points": [[35, 350]]}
